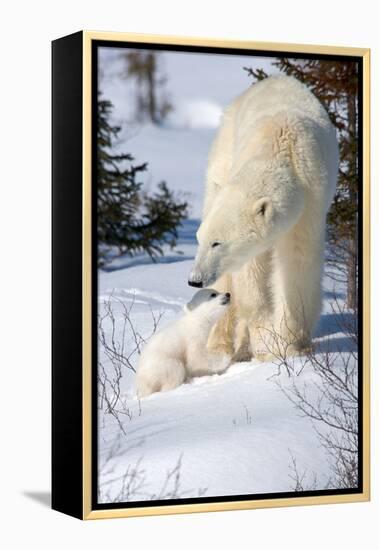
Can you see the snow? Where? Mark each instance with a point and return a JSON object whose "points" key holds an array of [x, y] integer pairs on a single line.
{"points": [[196, 113], [230, 434]]}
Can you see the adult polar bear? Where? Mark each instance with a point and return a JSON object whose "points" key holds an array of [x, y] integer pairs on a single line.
{"points": [[271, 177]]}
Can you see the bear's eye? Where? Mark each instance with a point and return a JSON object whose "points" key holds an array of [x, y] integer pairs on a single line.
{"points": [[213, 295], [216, 243]]}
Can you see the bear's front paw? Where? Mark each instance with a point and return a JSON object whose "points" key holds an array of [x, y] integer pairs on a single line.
{"points": [[219, 362], [217, 348], [303, 348], [265, 357], [242, 355], [287, 351]]}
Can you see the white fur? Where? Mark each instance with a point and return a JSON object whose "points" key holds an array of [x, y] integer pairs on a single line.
{"points": [[271, 178], [178, 352]]}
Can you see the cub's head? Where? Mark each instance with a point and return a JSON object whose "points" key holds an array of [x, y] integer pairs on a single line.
{"points": [[233, 232], [209, 303]]}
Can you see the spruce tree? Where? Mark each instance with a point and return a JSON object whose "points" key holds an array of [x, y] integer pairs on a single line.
{"points": [[151, 100], [335, 84], [128, 219]]}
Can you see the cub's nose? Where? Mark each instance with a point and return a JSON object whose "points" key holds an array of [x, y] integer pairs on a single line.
{"points": [[197, 284]]}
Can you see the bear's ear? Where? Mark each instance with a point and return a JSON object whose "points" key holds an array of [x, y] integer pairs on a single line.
{"points": [[187, 308], [262, 208]]}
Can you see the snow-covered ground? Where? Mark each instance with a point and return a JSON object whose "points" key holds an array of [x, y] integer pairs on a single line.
{"points": [[228, 434], [198, 87]]}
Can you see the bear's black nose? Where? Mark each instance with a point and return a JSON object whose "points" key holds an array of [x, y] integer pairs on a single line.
{"points": [[197, 284]]}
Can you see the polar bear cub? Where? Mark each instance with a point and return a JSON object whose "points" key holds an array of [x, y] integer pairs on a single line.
{"points": [[179, 351]]}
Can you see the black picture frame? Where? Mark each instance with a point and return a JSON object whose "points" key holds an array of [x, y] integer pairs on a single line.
{"points": [[74, 273]]}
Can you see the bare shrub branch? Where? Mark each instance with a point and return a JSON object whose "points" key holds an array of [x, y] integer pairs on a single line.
{"points": [[305, 481], [331, 399], [133, 485], [119, 343]]}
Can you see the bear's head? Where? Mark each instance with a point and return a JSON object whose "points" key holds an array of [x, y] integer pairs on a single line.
{"points": [[235, 231], [208, 304]]}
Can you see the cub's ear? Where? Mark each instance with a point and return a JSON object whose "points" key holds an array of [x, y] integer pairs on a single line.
{"points": [[187, 308], [263, 208]]}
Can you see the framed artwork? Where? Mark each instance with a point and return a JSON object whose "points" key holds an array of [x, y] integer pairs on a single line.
{"points": [[210, 275]]}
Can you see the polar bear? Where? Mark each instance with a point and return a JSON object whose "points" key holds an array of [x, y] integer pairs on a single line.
{"points": [[179, 351], [271, 177]]}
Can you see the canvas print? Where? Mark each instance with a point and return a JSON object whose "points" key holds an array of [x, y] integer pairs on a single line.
{"points": [[227, 218]]}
